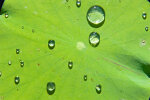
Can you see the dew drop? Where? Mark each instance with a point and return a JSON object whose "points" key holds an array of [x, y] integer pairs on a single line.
{"points": [[6, 15], [21, 63], [96, 16], [78, 3], [146, 28], [51, 88], [0, 73], [94, 39], [98, 89], [17, 51], [143, 43], [9, 62], [70, 64], [85, 77], [51, 44], [17, 80], [144, 15]]}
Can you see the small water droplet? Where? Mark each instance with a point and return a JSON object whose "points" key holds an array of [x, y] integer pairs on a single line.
{"points": [[98, 89], [17, 51], [96, 16], [0, 73], [6, 15], [21, 63], [85, 77], [94, 39], [143, 43], [70, 64], [146, 28], [144, 15], [9, 62], [51, 88], [17, 80], [78, 3], [51, 44]]}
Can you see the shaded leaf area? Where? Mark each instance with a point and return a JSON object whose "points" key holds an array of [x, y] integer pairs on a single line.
{"points": [[120, 65]]}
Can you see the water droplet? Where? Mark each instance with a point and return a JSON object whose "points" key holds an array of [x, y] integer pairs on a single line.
{"points": [[70, 64], [51, 44], [0, 73], [143, 43], [94, 39], [144, 15], [17, 80], [146, 28], [78, 3], [9, 62], [21, 63], [17, 51], [6, 15], [98, 89], [85, 77], [51, 88], [96, 16]]}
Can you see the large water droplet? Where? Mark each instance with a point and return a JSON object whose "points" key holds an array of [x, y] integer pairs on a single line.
{"points": [[21, 63], [51, 88], [94, 39], [78, 3], [9, 62], [51, 44], [85, 77], [70, 64], [144, 15], [17, 80], [0, 73], [17, 51], [98, 89], [146, 28], [96, 16]]}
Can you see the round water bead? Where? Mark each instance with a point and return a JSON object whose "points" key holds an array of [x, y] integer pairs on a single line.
{"points": [[146, 28], [70, 64], [144, 15], [98, 88], [96, 16], [85, 77], [51, 44], [78, 3], [51, 88], [6, 15], [94, 39], [17, 80], [21, 63]]}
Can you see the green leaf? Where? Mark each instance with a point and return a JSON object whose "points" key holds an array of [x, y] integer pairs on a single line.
{"points": [[120, 63]]}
